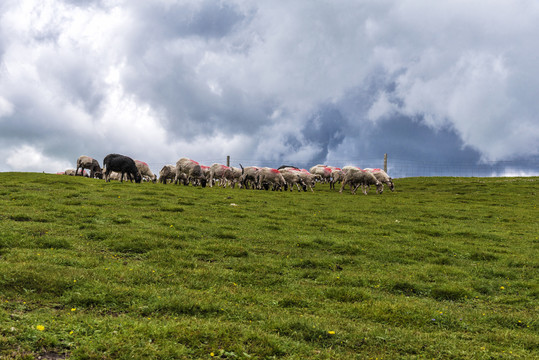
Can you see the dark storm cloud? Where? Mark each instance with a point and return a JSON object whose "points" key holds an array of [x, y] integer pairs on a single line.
{"points": [[304, 81], [325, 130], [206, 19]]}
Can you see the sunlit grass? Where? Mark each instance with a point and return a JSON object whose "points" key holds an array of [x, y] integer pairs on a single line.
{"points": [[442, 268]]}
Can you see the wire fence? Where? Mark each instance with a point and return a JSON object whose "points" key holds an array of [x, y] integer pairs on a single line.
{"points": [[397, 168], [412, 168]]}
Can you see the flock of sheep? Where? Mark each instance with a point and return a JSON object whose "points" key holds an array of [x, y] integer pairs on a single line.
{"points": [[187, 171]]}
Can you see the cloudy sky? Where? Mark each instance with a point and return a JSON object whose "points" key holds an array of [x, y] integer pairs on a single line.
{"points": [[441, 83]]}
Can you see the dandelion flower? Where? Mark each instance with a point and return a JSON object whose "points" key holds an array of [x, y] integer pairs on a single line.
{"points": [[40, 327], [212, 354], [331, 332], [73, 309], [501, 287]]}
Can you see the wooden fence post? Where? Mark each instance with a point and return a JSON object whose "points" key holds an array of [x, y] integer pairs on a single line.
{"points": [[228, 160], [385, 162]]}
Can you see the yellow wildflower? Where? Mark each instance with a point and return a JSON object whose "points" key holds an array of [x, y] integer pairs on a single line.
{"points": [[40, 327]]}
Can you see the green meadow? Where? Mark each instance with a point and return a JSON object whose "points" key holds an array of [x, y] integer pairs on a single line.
{"points": [[442, 268]]}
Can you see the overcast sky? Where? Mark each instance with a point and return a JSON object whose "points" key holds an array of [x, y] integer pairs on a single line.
{"points": [[270, 82]]}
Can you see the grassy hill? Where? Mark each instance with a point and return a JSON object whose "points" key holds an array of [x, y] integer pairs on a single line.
{"points": [[443, 268]]}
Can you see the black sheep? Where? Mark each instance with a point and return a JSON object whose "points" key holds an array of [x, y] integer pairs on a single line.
{"points": [[121, 164]]}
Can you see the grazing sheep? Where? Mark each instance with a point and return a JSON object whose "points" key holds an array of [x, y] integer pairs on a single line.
{"points": [[189, 171], [308, 179], [383, 177], [346, 169], [123, 165], [145, 171], [80, 172], [322, 171], [357, 177], [249, 177], [268, 177], [337, 175], [206, 172], [86, 162], [117, 176], [168, 172], [221, 173], [235, 177], [292, 177]]}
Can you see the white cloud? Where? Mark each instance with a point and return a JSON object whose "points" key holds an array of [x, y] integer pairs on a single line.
{"points": [[6, 108], [167, 79], [381, 108], [28, 158], [512, 172]]}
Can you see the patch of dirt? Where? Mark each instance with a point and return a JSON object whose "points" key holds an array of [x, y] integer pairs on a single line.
{"points": [[51, 355]]}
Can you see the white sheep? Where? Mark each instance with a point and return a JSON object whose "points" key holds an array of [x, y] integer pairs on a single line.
{"points": [[168, 172], [86, 162], [249, 177], [145, 171], [357, 177], [190, 171], [270, 177], [292, 177], [383, 177], [322, 171], [219, 172]]}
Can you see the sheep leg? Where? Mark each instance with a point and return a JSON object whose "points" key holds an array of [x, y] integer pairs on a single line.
{"points": [[342, 186], [364, 188]]}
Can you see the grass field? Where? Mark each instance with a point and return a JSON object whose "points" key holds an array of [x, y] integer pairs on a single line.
{"points": [[443, 268]]}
